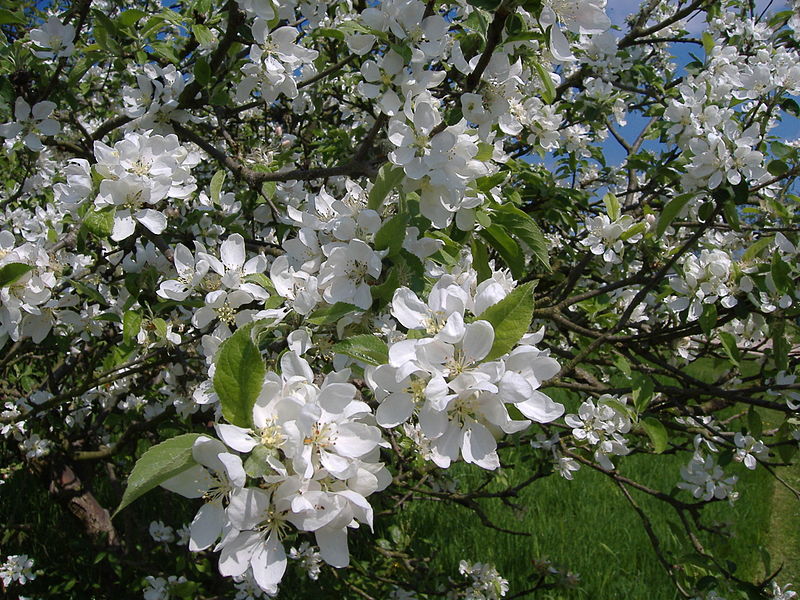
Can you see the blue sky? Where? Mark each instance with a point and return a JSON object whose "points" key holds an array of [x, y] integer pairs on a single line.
{"points": [[617, 10]]}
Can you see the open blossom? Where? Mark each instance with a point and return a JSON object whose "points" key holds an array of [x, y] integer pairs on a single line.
{"points": [[215, 477], [601, 426], [344, 276], [274, 61], [705, 479], [31, 123], [318, 450], [485, 582], [749, 450], [578, 16], [53, 39], [138, 173], [17, 568], [443, 382], [703, 279], [156, 97]]}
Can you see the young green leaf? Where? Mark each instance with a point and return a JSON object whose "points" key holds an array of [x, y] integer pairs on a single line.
{"points": [[159, 463], [12, 271], [708, 320], [388, 178], [506, 247], [523, 227], [331, 313], [100, 222], [670, 211], [730, 347], [612, 206], [548, 88], [131, 325], [239, 376], [366, 348], [217, 181], [392, 234], [510, 318], [657, 433]]}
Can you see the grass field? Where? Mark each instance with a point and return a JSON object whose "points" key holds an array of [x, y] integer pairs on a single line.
{"points": [[586, 526]]}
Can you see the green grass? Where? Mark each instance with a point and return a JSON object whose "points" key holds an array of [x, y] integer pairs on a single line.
{"points": [[586, 526], [783, 542]]}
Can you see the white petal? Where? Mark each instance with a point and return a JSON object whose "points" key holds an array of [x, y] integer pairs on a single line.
{"points": [[192, 483], [238, 438], [206, 526], [396, 409], [235, 556], [454, 329], [232, 252], [336, 396], [478, 340], [333, 546], [269, 563], [154, 220], [409, 310], [234, 468], [477, 443]]}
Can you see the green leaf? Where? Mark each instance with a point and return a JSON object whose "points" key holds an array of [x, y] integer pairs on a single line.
{"points": [[217, 181], [100, 222], [388, 178], [332, 313], [618, 406], [508, 249], [88, 291], [392, 234], [729, 345], [548, 88], [9, 18], [623, 365], [480, 260], [105, 32], [202, 71], [781, 273], [366, 348], [268, 189], [384, 292], [643, 388], [731, 215], [239, 377], [754, 423], [131, 325], [708, 43], [777, 167], [657, 433], [612, 206], [11, 272], [158, 464], [160, 326], [757, 248], [483, 219], [637, 229], [708, 319], [404, 51], [130, 17], [523, 227], [203, 35], [780, 345], [510, 319], [791, 106], [670, 211], [328, 32], [485, 152]]}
